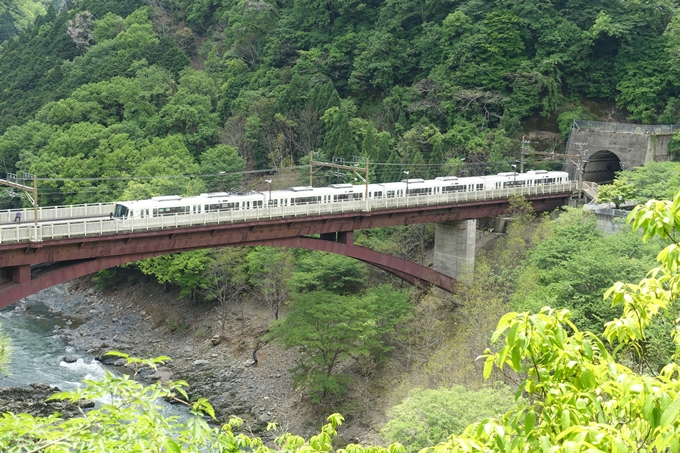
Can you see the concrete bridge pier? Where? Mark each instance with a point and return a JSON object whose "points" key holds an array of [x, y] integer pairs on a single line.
{"points": [[454, 249]]}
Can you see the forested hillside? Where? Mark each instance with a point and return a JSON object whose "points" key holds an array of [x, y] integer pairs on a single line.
{"points": [[133, 88], [17, 15], [122, 99]]}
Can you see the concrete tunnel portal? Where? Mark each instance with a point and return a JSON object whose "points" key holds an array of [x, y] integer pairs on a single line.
{"points": [[602, 166]]}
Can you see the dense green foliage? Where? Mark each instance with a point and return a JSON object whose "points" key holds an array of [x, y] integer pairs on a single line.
{"points": [[578, 397], [107, 84], [105, 97], [428, 417], [654, 180], [573, 268], [17, 15], [333, 328], [618, 192]]}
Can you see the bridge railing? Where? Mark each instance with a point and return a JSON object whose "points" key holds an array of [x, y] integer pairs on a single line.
{"points": [[601, 126], [57, 212], [84, 227]]}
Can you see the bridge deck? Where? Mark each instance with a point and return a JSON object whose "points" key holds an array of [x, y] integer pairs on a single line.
{"points": [[52, 227]]}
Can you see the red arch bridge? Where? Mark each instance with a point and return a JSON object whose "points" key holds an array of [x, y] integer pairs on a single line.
{"points": [[67, 242]]}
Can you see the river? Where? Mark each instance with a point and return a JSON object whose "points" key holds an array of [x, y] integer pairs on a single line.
{"points": [[37, 355]]}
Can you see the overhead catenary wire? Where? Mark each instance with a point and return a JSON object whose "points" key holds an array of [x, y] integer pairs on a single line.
{"points": [[464, 164]]}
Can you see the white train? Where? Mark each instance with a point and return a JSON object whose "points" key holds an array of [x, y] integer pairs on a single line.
{"points": [[334, 193]]}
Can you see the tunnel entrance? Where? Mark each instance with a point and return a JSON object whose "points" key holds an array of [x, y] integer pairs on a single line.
{"points": [[601, 167]]}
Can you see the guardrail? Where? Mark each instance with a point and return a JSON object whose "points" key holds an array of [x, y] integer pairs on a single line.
{"points": [[99, 227], [57, 212]]}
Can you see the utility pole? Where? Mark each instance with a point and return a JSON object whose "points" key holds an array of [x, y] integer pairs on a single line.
{"points": [[581, 170], [311, 159], [12, 182], [521, 162], [366, 194], [221, 176], [342, 167], [269, 181], [35, 204]]}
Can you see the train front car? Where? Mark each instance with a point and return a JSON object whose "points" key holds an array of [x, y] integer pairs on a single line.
{"points": [[122, 210]]}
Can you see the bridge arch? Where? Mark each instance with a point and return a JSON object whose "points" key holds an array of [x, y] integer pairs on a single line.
{"points": [[601, 166], [70, 270], [31, 266]]}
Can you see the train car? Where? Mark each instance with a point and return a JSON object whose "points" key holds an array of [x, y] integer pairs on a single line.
{"points": [[177, 205], [531, 178], [334, 193], [158, 206], [449, 184]]}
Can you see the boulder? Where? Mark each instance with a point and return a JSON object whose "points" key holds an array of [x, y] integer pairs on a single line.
{"points": [[70, 359]]}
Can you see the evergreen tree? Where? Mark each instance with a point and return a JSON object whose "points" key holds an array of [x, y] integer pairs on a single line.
{"points": [[392, 171], [382, 144], [294, 97], [368, 146], [436, 162], [323, 97], [339, 139], [416, 167]]}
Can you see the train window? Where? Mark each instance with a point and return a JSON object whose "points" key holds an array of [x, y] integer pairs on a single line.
{"points": [[222, 206], [453, 189], [171, 210], [419, 191], [480, 186], [305, 200], [121, 211], [377, 194]]}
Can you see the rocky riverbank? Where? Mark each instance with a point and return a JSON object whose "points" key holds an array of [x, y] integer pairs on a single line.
{"points": [[144, 321], [33, 400]]}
